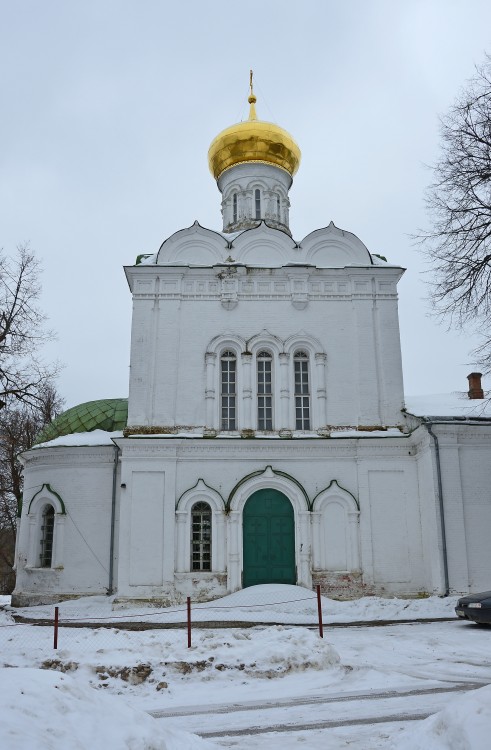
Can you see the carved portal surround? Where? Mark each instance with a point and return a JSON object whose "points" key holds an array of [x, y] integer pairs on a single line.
{"points": [[282, 352], [269, 480]]}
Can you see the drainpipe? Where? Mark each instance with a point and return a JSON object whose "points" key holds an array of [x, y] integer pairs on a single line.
{"points": [[113, 520], [427, 424]]}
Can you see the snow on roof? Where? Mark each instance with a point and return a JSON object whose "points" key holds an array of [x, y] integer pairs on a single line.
{"points": [[342, 432], [456, 404], [96, 437], [354, 433], [146, 259]]}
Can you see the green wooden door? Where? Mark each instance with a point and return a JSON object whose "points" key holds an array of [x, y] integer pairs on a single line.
{"points": [[268, 539]]}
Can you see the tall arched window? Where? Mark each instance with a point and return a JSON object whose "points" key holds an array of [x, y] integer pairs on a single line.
{"points": [[257, 203], [278, 207], [47, 529], [264, 391], [234, 208], [302, 391], [201, 536], [228, 390]]}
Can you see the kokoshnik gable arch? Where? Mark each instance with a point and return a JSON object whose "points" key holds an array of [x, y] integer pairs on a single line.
{"points": [[264, 437]]}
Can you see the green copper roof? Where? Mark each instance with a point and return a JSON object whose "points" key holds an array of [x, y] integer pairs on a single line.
{"points": [[109, 414]]}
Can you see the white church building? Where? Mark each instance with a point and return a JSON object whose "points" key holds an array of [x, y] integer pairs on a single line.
{"points": [[265, 438]]}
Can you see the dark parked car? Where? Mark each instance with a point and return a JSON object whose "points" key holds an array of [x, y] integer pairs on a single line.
{"points": [[476, 607]]}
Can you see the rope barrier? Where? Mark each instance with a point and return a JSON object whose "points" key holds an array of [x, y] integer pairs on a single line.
{"points": [[182, 610]]}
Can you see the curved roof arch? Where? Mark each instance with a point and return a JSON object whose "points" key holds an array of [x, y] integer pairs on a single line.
{"points": [[195, 244], [330, 247], [263, 246], [109, 414]]}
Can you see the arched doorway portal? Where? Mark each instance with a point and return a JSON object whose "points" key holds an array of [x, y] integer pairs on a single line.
{"points": [[268, 539]]}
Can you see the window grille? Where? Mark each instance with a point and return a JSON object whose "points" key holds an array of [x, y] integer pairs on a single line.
{"points": [[201, 536], [228, 390], [234, 207], [47, 529], [264, 391], [257, 202], [302, 391]]}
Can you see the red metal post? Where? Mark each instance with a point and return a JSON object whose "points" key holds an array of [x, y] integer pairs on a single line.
{"points": [[319, 611], [189, 621], [55, 634]]}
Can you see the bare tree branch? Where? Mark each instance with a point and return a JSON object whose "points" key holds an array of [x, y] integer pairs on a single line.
{"points": [[28, 398], [23, 376], [458, 244], [20, 422]]}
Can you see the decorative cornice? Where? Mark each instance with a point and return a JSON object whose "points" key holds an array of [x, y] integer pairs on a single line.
{"points": [[158, 430], [231, 285], [76, 454], [281, 449]]}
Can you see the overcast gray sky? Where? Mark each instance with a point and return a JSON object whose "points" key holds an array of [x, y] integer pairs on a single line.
{"points": [[109, 106]]}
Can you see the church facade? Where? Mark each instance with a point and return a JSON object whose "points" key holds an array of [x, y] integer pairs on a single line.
{"points": [[265, 437]]}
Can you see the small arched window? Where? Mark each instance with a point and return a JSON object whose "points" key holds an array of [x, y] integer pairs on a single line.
{"points": [[257, 203], [234, 207], [278, 207], [302, 391], [201, 536], [228, 390], [264, 391], [47, 531]]}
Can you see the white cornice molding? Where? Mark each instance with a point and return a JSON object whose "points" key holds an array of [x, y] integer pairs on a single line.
{"points": [[315, 448], [67, 455], [230, 285]]}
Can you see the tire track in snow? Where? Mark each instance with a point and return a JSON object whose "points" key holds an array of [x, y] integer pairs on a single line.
{"points": [[328, 724], [313, 700]]}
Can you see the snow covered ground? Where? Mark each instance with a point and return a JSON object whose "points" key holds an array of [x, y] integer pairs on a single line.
{"points": [[269, 603], [273, 686]]}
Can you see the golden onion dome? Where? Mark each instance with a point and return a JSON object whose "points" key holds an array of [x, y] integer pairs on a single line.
{"points": [[253, 141]]}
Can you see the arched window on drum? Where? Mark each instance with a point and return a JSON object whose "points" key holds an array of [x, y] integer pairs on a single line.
{"points": [[228, 390], [257, 203], [264, 390], [302, 390]]}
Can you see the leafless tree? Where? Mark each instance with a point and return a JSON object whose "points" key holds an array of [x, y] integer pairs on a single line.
{"points": [[28, 397], [23, 376], [20, 423], [458, 244]]}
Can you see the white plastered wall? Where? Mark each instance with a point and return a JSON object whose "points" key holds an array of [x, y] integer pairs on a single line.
{"points": [[82, 479], [382, 540], [177, 318]]}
